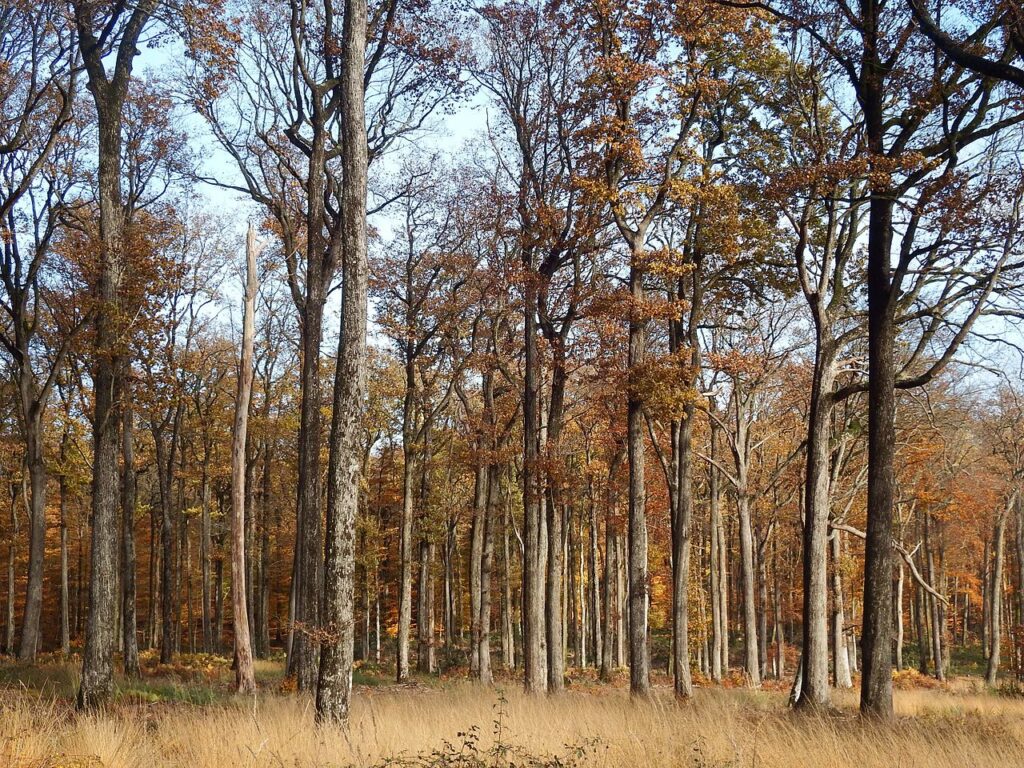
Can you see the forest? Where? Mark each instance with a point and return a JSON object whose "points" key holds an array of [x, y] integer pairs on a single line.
{"points": [[511, 383]]}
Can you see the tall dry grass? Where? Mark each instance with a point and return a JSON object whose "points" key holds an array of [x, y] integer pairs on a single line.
{"points": [[936, 729]]}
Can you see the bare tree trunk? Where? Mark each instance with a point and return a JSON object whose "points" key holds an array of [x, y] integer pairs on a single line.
{"points": [[206, 547], [534, 659], [484, 651], [747, 581], [476, 549], [996, 638], [595, 589], [719, 643], [611, 608], [335, 682], [128, 504], [900, 578], [876, 637], [15, 533], [639, 651], [815, 690], [65, 627], [508, 633], [245, 679], [841, 663], [36, 469], [405, 541]]}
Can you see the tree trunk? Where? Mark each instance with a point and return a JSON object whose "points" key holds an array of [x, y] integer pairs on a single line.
{"points": [[996, 636], [876, 637], [535, 662], [639, 651], [128, 504], [841, 663], [815, 690], [747, 577], [681, 525], [100, 632], [611, 608], [245, 679], [36, 468], [335, 682], [595, 589]]}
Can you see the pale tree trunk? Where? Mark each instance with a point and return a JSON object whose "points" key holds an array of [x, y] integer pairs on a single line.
{"points": [[841, 663], [747, 577], [36, 469], [65, 625], [996, 636], [245, 679], [206, 549], [681, 525], [556, 524], [611, 610], [719, 643], [534, 659], [934, 613], [425, 610], [476, 549], [900, 578], [336, 658], [405, 539], [814, 689], [595, 590], [508, 623]]}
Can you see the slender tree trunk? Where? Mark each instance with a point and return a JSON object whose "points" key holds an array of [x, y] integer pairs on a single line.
{"points": [[841, 663], [611, 608], [245, 679], [15, 534], [65, 626], [128, 504], [36, 468], [719, 654], [681, 542], [476, 549], [747, 577], [206, 547], [639, 651], [486, 565], [996, 637], [815, 690], [899, 616], [595, 589]]}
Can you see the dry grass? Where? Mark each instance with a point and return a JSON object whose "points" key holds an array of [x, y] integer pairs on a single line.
{"points": [[957, 727]]}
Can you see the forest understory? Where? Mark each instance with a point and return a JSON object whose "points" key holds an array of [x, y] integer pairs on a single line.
{"points": [[187, 714]]}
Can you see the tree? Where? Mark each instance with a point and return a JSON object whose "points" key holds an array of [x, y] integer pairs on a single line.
{"points": [[36, 98], [335, 681], [244, 678]]}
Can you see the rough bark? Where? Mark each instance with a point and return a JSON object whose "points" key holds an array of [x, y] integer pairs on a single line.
{"points": [[335, 681], [130, 643]]}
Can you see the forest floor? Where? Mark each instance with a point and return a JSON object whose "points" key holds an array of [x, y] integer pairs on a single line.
{"points": [[185, 715]]}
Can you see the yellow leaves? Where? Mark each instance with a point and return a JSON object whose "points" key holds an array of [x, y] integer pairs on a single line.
{"points": [[665, 383]]}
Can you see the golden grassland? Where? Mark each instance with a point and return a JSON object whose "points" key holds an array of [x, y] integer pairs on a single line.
{"points": [[184, 716]]}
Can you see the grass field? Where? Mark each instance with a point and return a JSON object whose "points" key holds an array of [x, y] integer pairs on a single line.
{"points": [[186, 716]]}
